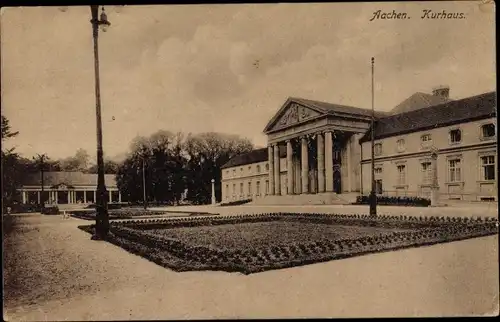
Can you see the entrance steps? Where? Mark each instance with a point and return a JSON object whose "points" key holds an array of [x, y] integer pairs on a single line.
{"points": [[325, 198]]}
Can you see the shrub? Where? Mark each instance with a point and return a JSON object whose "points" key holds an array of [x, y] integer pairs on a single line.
{"points": [[50, 210], [236, 203], [399, 201]]}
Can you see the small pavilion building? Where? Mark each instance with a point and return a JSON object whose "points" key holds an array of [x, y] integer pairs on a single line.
{"points": [[67, 188]]}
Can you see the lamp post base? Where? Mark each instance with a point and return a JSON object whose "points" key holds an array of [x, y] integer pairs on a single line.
{"points": [[373, 204]]}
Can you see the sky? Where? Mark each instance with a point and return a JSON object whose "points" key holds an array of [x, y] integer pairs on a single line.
{"points": [[225, 68]]}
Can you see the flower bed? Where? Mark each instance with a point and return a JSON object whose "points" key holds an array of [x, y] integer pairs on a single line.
{"points": [[236, 203], [395, 201], [116, 213], [390, 232]]}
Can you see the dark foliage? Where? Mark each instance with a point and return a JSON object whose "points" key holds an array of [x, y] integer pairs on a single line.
{"points": [[395, 201], [236, 203]]}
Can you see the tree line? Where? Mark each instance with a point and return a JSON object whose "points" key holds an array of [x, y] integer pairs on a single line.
{"points": [[173, 163]]}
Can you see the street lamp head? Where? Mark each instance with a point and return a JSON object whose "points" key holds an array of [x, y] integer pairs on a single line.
{"points": [[103, 21]]}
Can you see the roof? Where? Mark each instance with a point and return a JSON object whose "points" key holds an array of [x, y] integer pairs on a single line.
{"points": [[453, 112], [417, 101], [258, 155], [329, 108], [68, 178]]}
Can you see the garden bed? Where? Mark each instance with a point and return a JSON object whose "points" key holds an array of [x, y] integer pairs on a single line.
{"points": [[131, 213], [394, 201], [255, 243]]}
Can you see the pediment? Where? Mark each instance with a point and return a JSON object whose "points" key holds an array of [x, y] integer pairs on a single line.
{"points": [[62, 186], [290, 114]]}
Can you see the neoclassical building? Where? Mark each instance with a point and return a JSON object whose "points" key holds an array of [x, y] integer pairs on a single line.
{"points": [[320, 153], [66, 188]]}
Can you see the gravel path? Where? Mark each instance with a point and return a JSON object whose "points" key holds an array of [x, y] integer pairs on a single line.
{"points": [[55, 272]]}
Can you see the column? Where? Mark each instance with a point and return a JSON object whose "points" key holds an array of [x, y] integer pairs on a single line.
{"points": [[304, 165], [270, 158], [297, 175], [321, 162], [277, 181], [289, 166], [84, 196], [213, 192], [120, 196], [38, 196], [95, 196], [348, 155], [23, 193], [328, 162], [110, 194], [56, 197]]}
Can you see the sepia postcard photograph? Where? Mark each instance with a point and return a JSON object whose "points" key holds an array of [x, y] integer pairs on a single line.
{"points": [[249, 161]]}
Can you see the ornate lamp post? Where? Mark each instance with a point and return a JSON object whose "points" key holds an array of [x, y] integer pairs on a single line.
{"points": [[373, 196], [102, 219], [435, 184]]}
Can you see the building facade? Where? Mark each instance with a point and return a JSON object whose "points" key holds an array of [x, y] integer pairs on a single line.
{"points": [[322, 151], [66, 188]]}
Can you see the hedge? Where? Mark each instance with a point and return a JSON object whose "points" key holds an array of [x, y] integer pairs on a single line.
{"points": [[236, 203], [399, 201]]}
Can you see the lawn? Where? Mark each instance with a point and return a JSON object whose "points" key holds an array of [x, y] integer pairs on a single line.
{"points": [[255, 243], [260, 234]]}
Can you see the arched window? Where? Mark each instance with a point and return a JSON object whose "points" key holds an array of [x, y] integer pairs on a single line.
{"points": [[455, 136], [488, 130]]}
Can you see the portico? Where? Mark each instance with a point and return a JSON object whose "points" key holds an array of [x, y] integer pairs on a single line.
{"points": [[66, 188], [321, 148]]}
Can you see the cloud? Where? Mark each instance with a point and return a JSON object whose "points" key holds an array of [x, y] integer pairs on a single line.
{"points": [[193, 68]]}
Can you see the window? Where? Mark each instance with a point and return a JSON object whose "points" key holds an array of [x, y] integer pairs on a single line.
{"points": [[249, 188], [426, 168], [267, 166], [455, 136], [234, 172], [258, 188], [401, 174], [488, 167], [249, 168], [454, 170], [378, 186], [241, 170], [234, 189], [241, 189], [227, 191], [378, 149], [267, 187], [400, 145], [488, 130], [227, 173], [378, 170], [426, 138], [258, 168]]}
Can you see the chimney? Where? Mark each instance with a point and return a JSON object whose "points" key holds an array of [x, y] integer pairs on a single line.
{"points": [[441, 91]]}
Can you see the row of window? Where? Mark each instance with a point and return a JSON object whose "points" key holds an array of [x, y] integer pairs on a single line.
{"points": [[249, 190], [258, 170], [454, 173], [455, 137]]}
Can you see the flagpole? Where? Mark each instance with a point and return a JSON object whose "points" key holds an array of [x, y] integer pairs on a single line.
{"points": [[373, 196]]}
